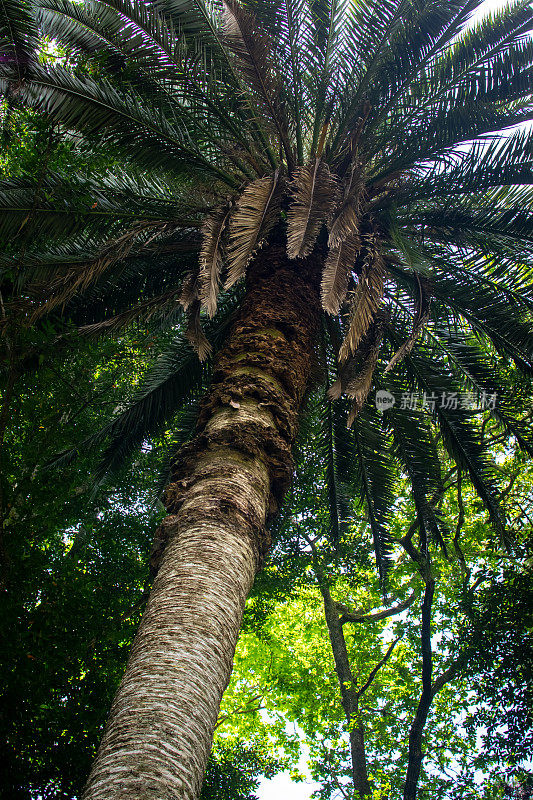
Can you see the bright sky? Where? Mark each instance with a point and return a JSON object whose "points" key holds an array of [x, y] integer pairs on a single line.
{"points": [[281, 787]]}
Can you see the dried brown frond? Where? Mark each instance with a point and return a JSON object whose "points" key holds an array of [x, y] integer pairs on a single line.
{"points": [[422, 309], [190, 290], [360, 381], [366, 301], [257, 211], [195, 333], [140, 239], [335, 390], [211, 257], [314, 191], [344, 221], [351, 374], [336, 276], [144, 311], [252, 46]]}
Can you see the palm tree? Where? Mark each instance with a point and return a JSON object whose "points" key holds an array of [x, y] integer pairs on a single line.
{"points": [[341, 157]]}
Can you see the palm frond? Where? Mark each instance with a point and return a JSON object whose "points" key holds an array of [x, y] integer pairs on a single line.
{"points": [[256, 213], [478, 48], [426, 32], [190, 289], [484, 377], [344, 220], [123, 121], [369, 26], [336, 441], [18, 37], [143, 311], [288, 32], [366, 300], [252, 47], [176, 377], [213, 230], [61, 286], [376, 482], [328, 17], [506, 161], [476, 298], [195, 333], [422, 309], [313, 189], [416, 450], [337, 271], [439, 134], [359, 384], [460, 437], [58, 206]]}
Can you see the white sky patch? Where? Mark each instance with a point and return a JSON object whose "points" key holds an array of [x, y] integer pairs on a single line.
{"points": [[282, 788], [490, 5]]}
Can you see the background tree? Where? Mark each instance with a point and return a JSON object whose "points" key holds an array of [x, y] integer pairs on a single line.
{"points": [[334, 137], [453, 763]]}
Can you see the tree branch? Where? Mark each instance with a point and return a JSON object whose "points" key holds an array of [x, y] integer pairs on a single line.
{"points": [[348, 616], [377, 668], [347, 684], [449, 673], [417, 728], [505, 492], [244, 709]]}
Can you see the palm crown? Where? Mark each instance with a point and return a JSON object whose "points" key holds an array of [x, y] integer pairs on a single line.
{"points": [[366, 132]]}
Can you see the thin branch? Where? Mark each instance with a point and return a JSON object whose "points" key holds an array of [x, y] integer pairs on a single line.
{"points": [[414, 554], [244, 709], [377, 668], [505, 492], [334, 777], [449, 673], [456, 539], [434, 502], [347, 616]]}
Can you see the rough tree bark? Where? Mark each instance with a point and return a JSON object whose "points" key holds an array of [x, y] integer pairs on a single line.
{"points": [[225, 484]]}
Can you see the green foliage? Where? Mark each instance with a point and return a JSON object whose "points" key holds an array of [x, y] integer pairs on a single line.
{"points": [[72, 593], [501, 624], [232, 773]]}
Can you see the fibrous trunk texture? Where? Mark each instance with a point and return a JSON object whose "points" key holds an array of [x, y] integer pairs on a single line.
{"points": [[225, 484]]}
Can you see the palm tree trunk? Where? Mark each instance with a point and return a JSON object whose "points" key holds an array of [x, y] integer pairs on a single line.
{"points": [[225, 485]]}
